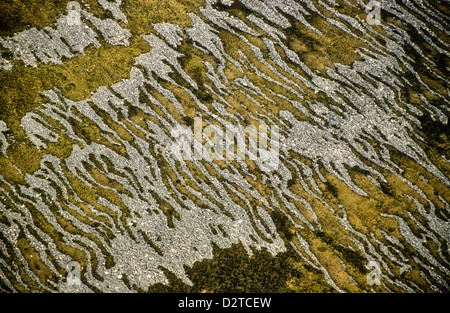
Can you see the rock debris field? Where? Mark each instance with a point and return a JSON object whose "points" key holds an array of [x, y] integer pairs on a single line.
{"points": [[362, 157]]}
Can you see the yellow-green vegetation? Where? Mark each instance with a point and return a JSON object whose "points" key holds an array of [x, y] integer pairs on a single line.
{"points": [[232, 270], [17, 15], [142, 14], [21, 88]]}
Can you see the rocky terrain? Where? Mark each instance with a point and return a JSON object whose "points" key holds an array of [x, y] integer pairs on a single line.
{"points": [[87, 171]]}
